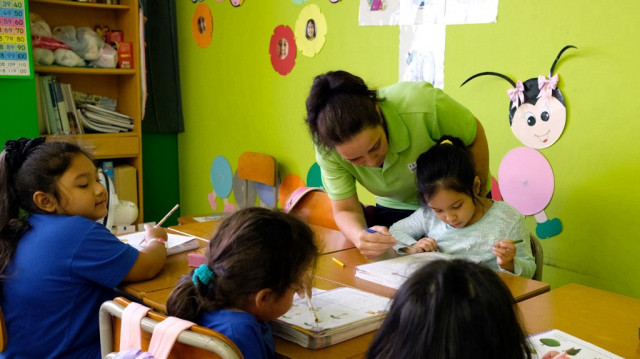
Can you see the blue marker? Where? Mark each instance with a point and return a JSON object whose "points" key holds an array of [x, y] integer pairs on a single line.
{"points": [[370, 230]]}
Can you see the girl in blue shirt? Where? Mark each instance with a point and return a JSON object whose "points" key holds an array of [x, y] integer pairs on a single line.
{"points": [[256, 261], [455, 219], [57, 264]]}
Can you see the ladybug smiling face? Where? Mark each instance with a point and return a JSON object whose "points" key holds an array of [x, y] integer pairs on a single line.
{"points": [[540, 120]]}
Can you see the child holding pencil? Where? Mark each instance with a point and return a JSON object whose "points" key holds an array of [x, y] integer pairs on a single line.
{"points": [[257, 259], [455, 219], [57, 264]]}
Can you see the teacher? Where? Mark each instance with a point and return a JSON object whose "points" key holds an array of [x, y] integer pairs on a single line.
{"points": [[374, 138]]}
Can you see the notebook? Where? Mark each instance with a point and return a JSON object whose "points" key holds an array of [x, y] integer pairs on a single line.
{"points": [[560, 341], [393, 272], [343, 313], [175, 243]]}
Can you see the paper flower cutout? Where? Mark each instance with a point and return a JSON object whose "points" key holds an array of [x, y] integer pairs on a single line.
{"points": [[236, 3], [282, 49], [202, 25], [311, 30]]}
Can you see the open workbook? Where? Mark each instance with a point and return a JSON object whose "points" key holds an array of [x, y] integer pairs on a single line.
{"points": [[560, 341], [175, 243], [343, 313], [393, 272]]}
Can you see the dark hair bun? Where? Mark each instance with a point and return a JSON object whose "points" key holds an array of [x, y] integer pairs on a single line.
{"points": [[16, 151]]}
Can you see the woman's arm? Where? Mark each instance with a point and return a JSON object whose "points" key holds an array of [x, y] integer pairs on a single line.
{"points": [[348, 215], [480, 151]]}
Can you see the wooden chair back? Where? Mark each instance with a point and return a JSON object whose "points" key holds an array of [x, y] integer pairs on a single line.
{"points": [[3, 333], [313, 207], [196, 342], [536, 250], [258, 167]]}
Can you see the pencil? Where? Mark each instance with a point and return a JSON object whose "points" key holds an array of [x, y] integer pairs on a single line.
{"points": [[168, 215], [311, 308], [563, 353], [336, 261], [518, 241]]}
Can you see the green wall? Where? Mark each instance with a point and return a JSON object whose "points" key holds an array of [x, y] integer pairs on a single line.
{"points": [[234, 102], [18, 115]]}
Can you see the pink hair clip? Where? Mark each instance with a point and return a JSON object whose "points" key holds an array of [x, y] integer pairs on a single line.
{"points": [[516, 95]]}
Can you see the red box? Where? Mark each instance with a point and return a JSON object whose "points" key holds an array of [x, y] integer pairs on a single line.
{"points": [[125, 54]]}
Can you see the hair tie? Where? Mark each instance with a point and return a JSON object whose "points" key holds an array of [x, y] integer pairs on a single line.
{"points": [[18, 150], [446, 142], [203, 274]]}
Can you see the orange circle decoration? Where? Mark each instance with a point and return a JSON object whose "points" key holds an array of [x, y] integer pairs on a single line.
{"points": [[202, 25], [282, 49], [289, 183]]}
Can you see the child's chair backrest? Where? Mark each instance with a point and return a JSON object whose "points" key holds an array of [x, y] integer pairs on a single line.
{"points": [[312, 205], [3, 333], [258, 167], [536, 250], [196, 342]]}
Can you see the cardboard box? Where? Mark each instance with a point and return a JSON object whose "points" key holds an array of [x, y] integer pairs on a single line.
{"points": [[125, 54], [126, 183]]}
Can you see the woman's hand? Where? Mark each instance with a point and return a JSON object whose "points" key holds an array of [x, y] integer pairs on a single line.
{"points": [[372, 245], [505, 251]]}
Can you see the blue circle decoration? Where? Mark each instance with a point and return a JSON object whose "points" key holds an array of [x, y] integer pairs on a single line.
{"points": [[314, 178], [221, 177], [265, 192]]}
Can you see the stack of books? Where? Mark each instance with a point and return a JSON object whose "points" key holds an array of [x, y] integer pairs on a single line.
{"points": [[98, 119], [343, 313], [64, 111]]}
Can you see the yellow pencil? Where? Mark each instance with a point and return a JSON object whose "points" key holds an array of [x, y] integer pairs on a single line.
{"points": [[336, 261]]}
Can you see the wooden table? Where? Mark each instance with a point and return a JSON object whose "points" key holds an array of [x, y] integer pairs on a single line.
{"points": [[521, 288], [608, 320]]}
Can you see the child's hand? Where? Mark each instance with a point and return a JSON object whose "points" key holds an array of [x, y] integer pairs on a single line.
{"points": [[553, 354], [505, 251], [425, 244], [305, 285], [154, 232]]}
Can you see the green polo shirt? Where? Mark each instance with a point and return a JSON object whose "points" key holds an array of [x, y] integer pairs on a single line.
{"points": [[417, 115]]}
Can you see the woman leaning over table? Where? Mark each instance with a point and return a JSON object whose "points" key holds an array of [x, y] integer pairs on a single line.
{"points": [[374, 138]]}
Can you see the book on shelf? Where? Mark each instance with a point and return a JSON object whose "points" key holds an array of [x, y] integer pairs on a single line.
{"points": [[43, 120], [93, 99], [393, 272], [343, 313], [50, 105], [560, 341], [60, 106], [74, 122], [102, 120], [176, 243]]}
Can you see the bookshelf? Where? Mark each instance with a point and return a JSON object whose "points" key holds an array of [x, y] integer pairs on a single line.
{"points": [[121, 84]]}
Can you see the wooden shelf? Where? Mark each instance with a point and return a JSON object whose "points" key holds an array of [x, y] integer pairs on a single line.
{"points": [[83, 70], [81, 4]]}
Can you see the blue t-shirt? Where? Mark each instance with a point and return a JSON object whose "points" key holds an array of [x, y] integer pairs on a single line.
{"points": [[254, 339], [64, 268]]}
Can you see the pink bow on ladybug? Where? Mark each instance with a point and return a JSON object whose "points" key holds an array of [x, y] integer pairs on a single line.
{"points": [[516, 95], [546, 85]]}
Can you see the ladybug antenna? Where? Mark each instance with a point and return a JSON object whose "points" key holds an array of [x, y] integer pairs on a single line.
{"points": [[558, 58], [490, 73]]}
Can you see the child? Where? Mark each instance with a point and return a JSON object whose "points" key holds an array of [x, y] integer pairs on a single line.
{"points": [[255, 262], [451, 309], [58, 265], [454, 219]]}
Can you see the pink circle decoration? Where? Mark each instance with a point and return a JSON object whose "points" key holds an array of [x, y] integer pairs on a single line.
{"points": [[282, 49], [526, 180]]}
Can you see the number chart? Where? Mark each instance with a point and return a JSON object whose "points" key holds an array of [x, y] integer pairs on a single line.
{"points": [[14, 39]]}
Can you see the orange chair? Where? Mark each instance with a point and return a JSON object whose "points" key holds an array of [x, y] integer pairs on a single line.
{"points": [[3, 333], [258, 167], [196, 342], [311, 204], [536, 250]]}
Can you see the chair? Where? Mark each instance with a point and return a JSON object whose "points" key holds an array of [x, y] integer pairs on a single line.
{"points": [[3, 333], [536, 250], [258, 167], [311, 204], [196, 342]]}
